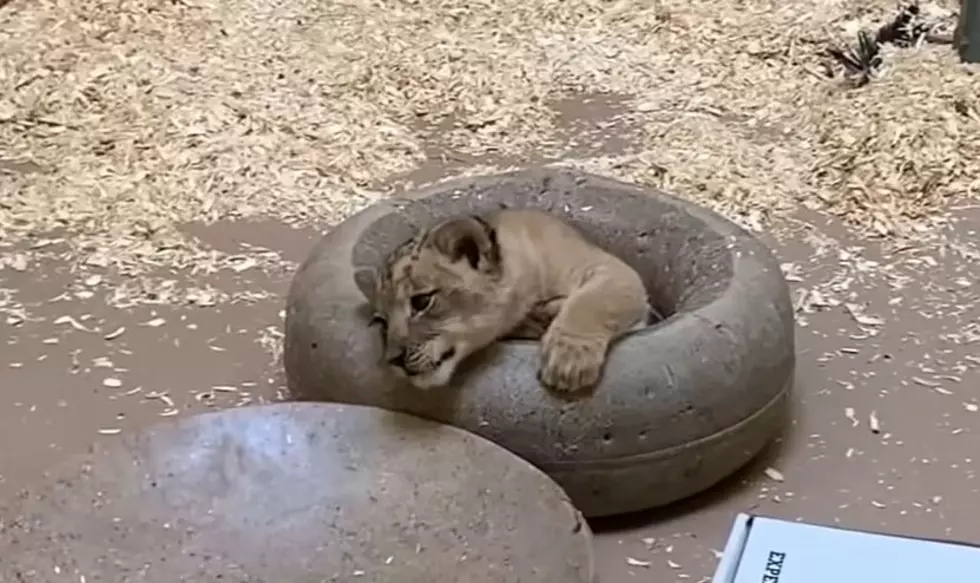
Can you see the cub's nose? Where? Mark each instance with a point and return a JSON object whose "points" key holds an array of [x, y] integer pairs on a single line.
{"points": [[397, 359]]}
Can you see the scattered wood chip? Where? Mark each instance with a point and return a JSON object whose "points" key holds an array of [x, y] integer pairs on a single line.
{"points": [[163, 397], [115, 333], [110, 431], [201, 297], [245, 264], [972, 407], [155, 322], [111, 382], [17, 262], [857, 313], [97, 260], [791, 272], [74, 323], [873, 423], [102, 362], [849, 413], [775, 474], [637, 563]]}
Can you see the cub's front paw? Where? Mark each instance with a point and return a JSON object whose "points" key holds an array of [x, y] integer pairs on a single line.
{"points": [[571, 363]]}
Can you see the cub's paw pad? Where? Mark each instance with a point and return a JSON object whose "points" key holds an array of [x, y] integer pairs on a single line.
{"points": [[571, 363]]}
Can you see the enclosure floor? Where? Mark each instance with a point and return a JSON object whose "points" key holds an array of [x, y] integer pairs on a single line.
{"points": [[909, 365], [261, 118]]}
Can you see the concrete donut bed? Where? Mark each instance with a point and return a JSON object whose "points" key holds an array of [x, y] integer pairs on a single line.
{"points": [[682, 403]]}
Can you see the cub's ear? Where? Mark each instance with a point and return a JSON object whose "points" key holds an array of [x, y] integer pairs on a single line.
{"points": [[366, 279], [470, 238]]}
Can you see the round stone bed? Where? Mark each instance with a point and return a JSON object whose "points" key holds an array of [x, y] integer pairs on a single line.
{"points": [[298, 493], [682, 404]]}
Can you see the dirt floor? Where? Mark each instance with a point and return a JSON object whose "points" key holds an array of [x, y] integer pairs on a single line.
{"points": [[118, 310], [885, 427]]}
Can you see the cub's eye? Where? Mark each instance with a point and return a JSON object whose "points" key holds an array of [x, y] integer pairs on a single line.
{"points": [[421, 302]]}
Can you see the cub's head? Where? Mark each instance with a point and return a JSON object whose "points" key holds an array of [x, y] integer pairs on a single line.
{"points": [[438, 298]]}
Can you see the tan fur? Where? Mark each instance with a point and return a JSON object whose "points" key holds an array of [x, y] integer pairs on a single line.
{"points": [[511, 274]]}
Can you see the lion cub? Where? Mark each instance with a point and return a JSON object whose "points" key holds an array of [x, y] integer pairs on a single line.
{"points": [[469, 281]]}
